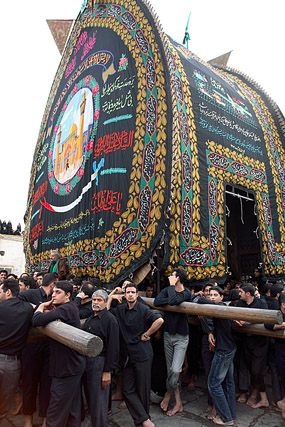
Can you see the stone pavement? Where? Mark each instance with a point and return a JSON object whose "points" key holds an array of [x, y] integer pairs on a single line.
{"points": [[195, 403]]}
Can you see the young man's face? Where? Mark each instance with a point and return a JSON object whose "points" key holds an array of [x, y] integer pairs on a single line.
{"points": [[22, 286], [207, 292], [39, 281], [98, 304], [148, 292], [243, 295], [59, 296], [131, 294], [3, 276], [215, 296]]}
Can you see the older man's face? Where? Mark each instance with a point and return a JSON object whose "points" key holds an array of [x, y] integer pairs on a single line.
{"points": [[98, 304], [54, 256]]}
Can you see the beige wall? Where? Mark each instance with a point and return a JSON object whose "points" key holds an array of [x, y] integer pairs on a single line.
{"points": [[14, 258]]}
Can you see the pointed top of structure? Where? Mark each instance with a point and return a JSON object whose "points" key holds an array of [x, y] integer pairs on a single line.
{"points": [[60, 29], [221, 60]]}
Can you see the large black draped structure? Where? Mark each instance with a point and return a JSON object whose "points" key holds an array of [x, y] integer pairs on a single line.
{"points": [[137, 144]]}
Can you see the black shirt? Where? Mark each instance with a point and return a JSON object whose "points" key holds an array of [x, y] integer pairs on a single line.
{"points": [[105, 326], [34, 296], [85, 310], [15, 321], [133, 323], [222, 329], [174, 323], [256, 303], [64, 361]]}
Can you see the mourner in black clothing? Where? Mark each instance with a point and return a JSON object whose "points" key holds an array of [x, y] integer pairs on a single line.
{"points": [[15, 320], [137, 322], [66, 365], [103, 324], [254, 350], [280, 351], [83, 300], [35, 359], [221, 383]]}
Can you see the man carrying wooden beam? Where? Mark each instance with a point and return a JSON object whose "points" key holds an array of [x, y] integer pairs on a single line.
{"points": [[15, 319], [66, 365]]}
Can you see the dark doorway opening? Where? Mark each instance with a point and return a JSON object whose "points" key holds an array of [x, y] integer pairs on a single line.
{"points": [[243, 244]]}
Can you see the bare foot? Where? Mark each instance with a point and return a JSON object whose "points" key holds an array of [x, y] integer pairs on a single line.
{"points": [[18, 403], [261, 404], [212, 413], [122, 405], [117, 396], [217, 420], [148, 423], [174, 410], [242, 398], [251, 402], [165, 402], [28, 421], [281, 405]]}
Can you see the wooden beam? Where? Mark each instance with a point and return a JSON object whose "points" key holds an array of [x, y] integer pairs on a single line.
{"points": [[250, 328], [252, 315], [84, 343]]}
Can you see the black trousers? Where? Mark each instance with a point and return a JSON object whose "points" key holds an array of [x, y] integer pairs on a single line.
{"points": [[35, 366], [98, 397], [207, 357], [65, 402], [255, 354], [136, 389]]}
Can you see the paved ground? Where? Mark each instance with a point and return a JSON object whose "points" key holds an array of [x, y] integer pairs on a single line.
{"points": [[195, 403]]}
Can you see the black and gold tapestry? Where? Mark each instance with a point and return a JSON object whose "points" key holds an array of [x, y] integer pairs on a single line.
{"points": [[138, 141]]}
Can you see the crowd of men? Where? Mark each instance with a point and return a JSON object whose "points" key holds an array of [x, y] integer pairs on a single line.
{"points": [[145, 355]]}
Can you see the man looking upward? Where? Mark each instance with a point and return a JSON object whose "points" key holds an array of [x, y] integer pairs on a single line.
{"points": [[176, 336]]}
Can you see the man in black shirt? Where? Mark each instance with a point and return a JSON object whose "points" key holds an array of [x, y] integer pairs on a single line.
{"points": [[66, 365], [254, 350], [137, 323], [221, 382], [35, 359], [176, 336], [83, 300], [15, 319], [98, 369]]}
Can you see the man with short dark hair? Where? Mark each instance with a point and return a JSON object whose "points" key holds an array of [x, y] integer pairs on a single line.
{"points": [[66, 365], [137, 323], [83, 300], [15, 318], [103, 324], [254, 350], [35, 358], [26, 283], [221, 382], [3, 275], [176, 336]]}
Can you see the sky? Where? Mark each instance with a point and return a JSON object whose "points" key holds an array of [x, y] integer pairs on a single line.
{"points": [[252, 29]]}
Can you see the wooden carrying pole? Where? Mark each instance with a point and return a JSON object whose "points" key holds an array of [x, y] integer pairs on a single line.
{"points": [[249, 328], [252, 315], [87, 344]]}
